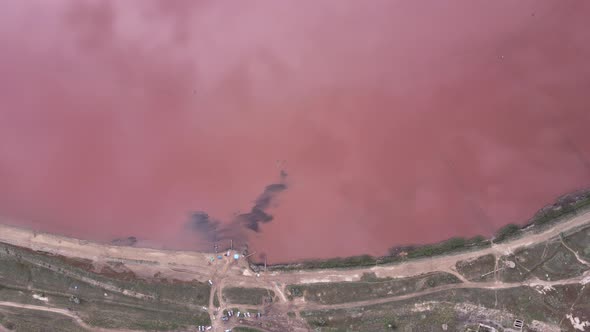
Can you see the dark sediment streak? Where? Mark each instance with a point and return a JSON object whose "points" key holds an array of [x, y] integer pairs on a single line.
{"points": [[214, 230]]}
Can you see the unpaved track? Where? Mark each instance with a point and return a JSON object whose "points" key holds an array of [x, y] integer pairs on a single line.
{"points": [[480, 285], [67, 313]]}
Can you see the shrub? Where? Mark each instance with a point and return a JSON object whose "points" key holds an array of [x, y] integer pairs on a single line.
{"points": [[506, 232]]}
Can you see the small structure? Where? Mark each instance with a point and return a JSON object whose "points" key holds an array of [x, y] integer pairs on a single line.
{"points": [[518, 323], [210, 282], [41, 297], [236, 256], [74, 299]]}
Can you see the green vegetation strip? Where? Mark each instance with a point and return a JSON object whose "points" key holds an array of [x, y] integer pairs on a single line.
{"points": [[245, 329], [398, 254], [565, 207]]}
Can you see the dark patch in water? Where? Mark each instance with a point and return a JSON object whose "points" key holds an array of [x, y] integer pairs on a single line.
{"points": [[213, 230], [258, 213], [202, 223], [128, 241]]}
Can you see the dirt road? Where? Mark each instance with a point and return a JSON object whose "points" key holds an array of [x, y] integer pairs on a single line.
{"points": [[63, 312], [480, 285]]}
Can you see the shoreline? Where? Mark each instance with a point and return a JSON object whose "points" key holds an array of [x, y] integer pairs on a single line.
{"points": [[565, 208], [172, 268]]}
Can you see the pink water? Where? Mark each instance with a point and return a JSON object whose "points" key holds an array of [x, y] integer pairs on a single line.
{"points": [[397, 122]]}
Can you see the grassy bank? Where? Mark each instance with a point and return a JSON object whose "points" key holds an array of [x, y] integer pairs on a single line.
{"points": [[565, 207], [396, 255]]}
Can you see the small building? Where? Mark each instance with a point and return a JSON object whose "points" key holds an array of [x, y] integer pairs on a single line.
{"points": [[236, 256]]}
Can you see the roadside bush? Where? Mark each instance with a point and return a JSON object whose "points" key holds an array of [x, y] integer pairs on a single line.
{"points": [[295, 291], [448, 246], [582, 203], [391, 324], [506, 232], [354, 261], [318, 322], [428, 250], [566, 205]]}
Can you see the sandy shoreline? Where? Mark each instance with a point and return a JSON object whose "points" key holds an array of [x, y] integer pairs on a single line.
{"points": [[72, 247], [164, 258]]}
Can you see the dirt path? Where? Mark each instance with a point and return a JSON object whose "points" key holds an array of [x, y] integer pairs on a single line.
{"points": [[280, 292], [481, 285], [420, 266], [580, 259], [63, 312]]}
